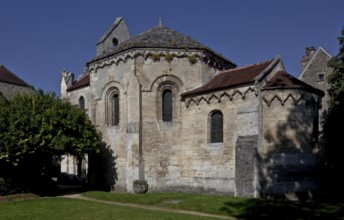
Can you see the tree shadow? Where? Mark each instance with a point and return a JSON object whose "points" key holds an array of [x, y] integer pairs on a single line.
{"points": [[102, 171], [282, 209], [289, 163]]}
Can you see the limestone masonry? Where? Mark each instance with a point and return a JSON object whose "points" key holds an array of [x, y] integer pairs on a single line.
{"points": [[184, 118]]}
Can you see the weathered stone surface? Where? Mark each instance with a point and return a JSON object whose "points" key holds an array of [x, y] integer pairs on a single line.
{"points": [[245, 163], [178, 155]]}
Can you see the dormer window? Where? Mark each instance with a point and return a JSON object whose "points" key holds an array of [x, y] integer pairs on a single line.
{"points": [[114, 42]]}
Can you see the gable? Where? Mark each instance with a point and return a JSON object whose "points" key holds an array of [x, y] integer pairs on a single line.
{"points": [[317, 62], [82, 82], [117, 33]]}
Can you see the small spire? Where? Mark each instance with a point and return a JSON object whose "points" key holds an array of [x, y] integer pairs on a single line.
{"points": [[160, 22]]}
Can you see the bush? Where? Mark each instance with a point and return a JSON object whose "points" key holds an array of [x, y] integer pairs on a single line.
{"points": [[7, 187]]}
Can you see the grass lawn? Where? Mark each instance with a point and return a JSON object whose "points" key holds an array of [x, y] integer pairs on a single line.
{"points": [[51, 208], [245, 208], [74, 209]]}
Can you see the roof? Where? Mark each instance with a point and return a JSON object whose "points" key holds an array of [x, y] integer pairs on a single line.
{"points": [[161, 37], [282, 79], [7, 76], [82, 82], [232, 78]]}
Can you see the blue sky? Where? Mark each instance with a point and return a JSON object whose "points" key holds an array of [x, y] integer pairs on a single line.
{"points": [[39, 38]]}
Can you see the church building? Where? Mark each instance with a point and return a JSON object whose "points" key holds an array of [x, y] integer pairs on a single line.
{"points": [[181, 117]]}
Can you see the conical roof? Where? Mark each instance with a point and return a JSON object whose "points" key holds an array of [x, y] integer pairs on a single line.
{"points": [[161, 37]]}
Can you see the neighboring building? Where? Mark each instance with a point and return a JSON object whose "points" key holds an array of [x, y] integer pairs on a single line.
{"points": [[183, 117], [10, 84], [315, 72]]}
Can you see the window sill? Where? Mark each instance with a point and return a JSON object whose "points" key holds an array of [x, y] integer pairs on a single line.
{"points": [[214, 145]]}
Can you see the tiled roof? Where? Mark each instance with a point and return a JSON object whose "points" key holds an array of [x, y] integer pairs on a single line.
{"points": [[283, 79], [9, 77], [231, 78], [161, 37], [84, 81]]}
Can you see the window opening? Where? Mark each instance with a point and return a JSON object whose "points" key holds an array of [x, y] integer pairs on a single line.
{"points": [[115, 109], [321, 77], [167, 106], [82, 102], [216, 127], [114, 42]]}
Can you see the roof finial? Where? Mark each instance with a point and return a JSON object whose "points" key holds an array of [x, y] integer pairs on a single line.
{"points": [[160, 22]]}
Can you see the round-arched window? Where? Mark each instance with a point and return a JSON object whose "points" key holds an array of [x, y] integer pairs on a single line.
{"points": [[216, 127], [82, 102]]}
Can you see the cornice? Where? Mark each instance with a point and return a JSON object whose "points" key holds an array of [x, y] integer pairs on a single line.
{"points": [[220, 96], [293, 95], [205, 56]]}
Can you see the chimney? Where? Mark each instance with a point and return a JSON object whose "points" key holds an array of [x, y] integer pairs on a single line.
{"points": [[310, 51]]}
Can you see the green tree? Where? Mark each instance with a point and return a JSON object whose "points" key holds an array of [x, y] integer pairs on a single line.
{"points": [[336, 78], [38, 127], [334, 142]]}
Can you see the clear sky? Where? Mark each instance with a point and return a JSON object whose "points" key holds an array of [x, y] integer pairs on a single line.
{"points": [[40, 38]]}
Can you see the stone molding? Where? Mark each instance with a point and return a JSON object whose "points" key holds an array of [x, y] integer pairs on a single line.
{"points": [[220, 95], [166, 78], [146, 54], [295, 96]]}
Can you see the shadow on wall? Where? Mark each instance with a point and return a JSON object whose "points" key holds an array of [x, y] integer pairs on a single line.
{"points": [[289, 164], [102, 173]]}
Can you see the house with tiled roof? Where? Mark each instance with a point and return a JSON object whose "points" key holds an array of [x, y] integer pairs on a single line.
{"points": [[11, 84], [178, 116], [314, 71]]}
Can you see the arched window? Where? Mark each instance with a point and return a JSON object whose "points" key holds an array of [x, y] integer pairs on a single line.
{"points": [[82, 102], [167, 105], [112, 107], [115, 109], [216, 127]]}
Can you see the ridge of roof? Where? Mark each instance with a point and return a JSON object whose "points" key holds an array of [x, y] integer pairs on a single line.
{"points": [[7, 76], [231, 78], [248, 66]]}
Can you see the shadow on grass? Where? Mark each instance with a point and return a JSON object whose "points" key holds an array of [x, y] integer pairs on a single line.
{"points": [[278, 209]]}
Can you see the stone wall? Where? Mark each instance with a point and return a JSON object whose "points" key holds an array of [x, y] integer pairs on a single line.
{"points": [[288, 158], [138, 81], [316, 74], [211, 167], [11, 90]]}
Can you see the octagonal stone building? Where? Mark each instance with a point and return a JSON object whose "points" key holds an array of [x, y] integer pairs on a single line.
{"points": [[182, 117]]}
